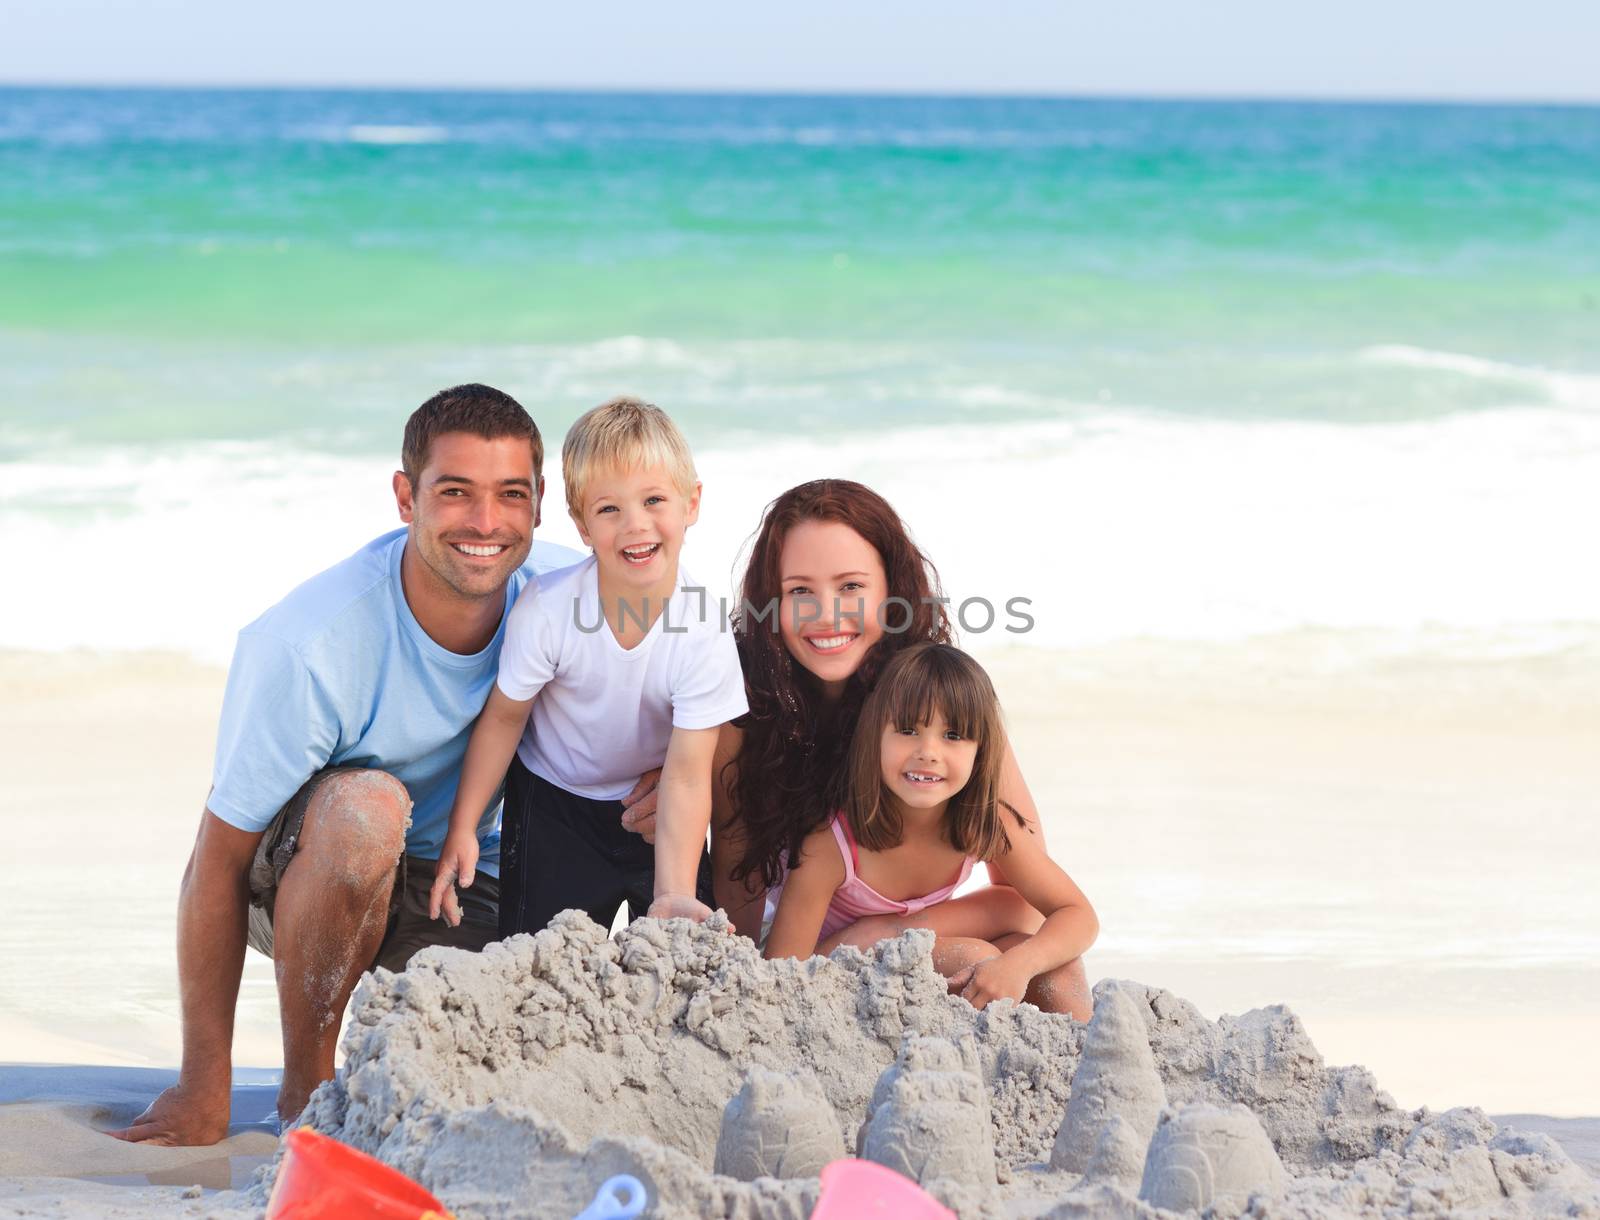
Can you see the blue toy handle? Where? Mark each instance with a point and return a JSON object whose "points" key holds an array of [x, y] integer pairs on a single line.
{"points": [[621, 1198]]}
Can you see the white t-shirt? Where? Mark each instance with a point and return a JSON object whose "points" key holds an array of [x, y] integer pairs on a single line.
{"points": [[604, 713]]}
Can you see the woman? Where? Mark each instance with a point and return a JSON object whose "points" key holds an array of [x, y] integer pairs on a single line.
{"points": [[834, 587]]}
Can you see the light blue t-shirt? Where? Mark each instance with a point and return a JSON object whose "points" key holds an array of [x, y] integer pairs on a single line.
{"points": [[341, 673]]}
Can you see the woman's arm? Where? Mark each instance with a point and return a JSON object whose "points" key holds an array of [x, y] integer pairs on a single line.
{"points": [[744, 901], [1014, 792], [807, 890]]}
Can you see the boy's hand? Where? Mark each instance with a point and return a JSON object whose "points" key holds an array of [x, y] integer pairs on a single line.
{"points": [[458, 862], [991, 979], [639, 806], [679, 906]]}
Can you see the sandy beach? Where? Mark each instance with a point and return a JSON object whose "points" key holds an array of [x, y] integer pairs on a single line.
{"points": [[1255, 827]]}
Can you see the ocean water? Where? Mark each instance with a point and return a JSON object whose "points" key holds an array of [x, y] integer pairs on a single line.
{"points": [[1176, 371]]}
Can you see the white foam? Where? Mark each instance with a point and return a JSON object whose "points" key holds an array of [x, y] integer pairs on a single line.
{"points": [[1119, 528], [395, 133], [1114, 527], [1565, 389], [176, 550]]}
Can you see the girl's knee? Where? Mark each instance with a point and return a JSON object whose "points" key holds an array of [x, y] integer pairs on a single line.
{"points": [[953, 954], [1065, 990], [865, 933]]}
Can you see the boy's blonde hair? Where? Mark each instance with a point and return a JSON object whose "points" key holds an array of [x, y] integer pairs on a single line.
{"points": [[623, 434]]}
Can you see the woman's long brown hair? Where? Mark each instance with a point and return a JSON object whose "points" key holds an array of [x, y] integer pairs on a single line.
{"points": [[790, 769], [921, 681]]}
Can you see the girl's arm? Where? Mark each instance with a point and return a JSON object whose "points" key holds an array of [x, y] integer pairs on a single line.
{"points": [[1070, 925], [987, 913], [744, 901], [489, 750], [682, 814], [807, 890]]}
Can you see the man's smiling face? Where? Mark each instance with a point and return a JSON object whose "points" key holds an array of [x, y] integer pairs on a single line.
{"points": [[473, 510]]}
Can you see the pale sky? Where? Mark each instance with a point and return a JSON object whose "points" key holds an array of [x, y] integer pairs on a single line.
{"points": [[1447, 49]]}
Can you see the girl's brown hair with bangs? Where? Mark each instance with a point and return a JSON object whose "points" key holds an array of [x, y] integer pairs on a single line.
{"points": [[919, 681]]}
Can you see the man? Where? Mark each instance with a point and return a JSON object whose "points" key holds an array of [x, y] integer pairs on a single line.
{"points": [[347, 713]]}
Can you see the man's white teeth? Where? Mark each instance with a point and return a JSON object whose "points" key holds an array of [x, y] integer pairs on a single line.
{"points": [[828, 643], [481, 551], [922, 777]]}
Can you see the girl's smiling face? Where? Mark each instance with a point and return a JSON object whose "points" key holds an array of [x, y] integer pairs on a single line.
{"points": [[832, 592], [925, 765]]}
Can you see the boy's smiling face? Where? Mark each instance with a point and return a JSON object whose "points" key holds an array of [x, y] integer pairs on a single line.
{"points": [[635, 520]]}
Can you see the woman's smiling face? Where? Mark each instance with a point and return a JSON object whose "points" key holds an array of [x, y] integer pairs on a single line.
{"points": [[832, 589]]}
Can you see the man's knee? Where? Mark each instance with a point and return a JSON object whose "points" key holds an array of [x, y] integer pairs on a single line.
{"points": [[360, 816]]}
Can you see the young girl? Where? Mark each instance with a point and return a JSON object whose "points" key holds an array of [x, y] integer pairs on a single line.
{"points": [[920, 807]]}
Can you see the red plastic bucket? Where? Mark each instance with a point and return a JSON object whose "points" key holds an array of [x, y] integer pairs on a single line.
{"points": [[323, 1179]]}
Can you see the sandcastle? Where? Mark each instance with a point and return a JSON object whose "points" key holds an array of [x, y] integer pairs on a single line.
{"points": [[512, 1083], [779, 1125], [1118, 1157], [929, 1117], [1116, 1079], [1209, 1157]]}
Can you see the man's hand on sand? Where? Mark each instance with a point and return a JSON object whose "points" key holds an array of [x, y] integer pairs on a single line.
{"points": [[458, 863], [639, 806], [180, 1118]]}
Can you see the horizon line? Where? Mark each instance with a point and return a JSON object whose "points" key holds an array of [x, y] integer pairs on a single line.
{"points": [[1372, 99]]}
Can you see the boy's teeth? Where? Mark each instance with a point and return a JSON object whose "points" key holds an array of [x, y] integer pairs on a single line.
{"points": [[640, 552]]}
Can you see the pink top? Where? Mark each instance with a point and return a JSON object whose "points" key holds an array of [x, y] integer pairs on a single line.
{"points": [[855, 899]]}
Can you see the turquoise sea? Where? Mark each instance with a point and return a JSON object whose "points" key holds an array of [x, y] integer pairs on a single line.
{"points": [[1219, 368]]}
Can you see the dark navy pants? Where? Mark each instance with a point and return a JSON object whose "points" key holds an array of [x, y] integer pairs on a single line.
{"points": [[561, 850]]}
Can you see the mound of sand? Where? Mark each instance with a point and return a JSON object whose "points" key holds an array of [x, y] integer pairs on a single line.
{"points": [[514, 1082]]}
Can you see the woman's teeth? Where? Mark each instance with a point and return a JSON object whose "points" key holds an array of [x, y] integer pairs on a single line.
{"points": [[641, 554], [829, 643]]}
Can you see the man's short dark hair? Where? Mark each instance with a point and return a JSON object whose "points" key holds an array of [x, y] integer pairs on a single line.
{"points": [[479, 409]]}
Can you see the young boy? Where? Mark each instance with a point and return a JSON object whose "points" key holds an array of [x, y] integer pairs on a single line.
{"points": [[611, 667]]}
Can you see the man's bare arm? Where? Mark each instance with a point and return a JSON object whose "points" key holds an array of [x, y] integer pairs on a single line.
{"points": [[213, 907]]}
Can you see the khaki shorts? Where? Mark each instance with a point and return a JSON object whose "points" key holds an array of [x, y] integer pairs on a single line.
{"points": [[409, 928]]}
